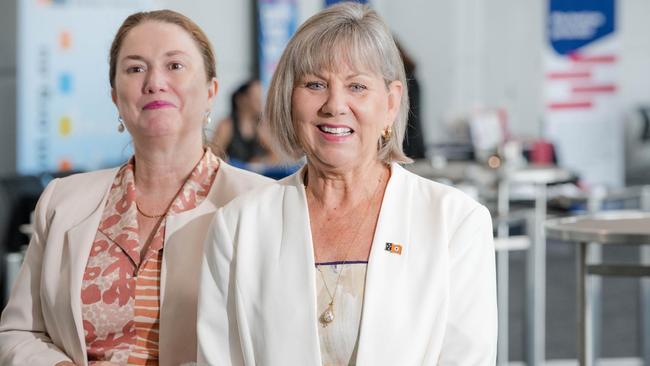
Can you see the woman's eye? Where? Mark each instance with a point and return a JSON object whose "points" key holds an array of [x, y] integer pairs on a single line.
{"points": [[134, 69], [358, 87], [315, 85], [175, 66]]}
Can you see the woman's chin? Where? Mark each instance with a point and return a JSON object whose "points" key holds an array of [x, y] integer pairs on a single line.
{"points": [[155, 133], [158, 128], [340, 161]]}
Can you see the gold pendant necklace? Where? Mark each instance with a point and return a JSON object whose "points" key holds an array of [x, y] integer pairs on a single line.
{"points": [[327, 316]]}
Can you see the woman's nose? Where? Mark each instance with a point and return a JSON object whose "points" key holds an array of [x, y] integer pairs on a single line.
{"points": [[154, 82], [336, 103]]}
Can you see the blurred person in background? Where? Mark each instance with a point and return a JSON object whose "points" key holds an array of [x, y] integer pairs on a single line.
{"points": [[242, 135], [414, 139], [353, 259], [111, 273]]}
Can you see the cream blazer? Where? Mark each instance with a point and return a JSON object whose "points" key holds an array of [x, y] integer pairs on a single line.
{"points": [[42, 323], [433, 304]]}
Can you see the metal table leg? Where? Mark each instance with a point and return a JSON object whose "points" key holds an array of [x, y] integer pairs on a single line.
{"points": [[584, 347], [502, 300], [594, 205], [503, 207], [645, 288], [645, 308], [537, 283], [594, 303], [531, 355], [581, 297]]}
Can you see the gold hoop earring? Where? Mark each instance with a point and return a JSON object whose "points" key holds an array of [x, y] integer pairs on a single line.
{"points": [[386, 134]]}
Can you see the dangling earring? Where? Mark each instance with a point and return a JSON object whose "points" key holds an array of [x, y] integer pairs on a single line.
{"points": [[120, 126], [386, 134], [207, 119]]}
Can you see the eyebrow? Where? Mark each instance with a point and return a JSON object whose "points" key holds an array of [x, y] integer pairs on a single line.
{"points": [[140, 58], [175, 52], [352, 76], [133, 57], [348, 77]]}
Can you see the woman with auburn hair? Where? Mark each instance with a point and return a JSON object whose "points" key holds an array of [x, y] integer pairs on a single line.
{"points": [[111, 273], [352, 260]]}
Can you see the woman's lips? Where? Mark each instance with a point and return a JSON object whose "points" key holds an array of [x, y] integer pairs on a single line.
{"points": [[335, 130], [335, 133], [156, 104]]}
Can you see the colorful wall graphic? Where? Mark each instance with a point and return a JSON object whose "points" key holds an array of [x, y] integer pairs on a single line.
{"points": [[66, 119]]}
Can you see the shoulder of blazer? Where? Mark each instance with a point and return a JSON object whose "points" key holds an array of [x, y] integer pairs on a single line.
{"points": [[433, 195], [241, 179], [263, 196], [80, 194], [232, 182]]}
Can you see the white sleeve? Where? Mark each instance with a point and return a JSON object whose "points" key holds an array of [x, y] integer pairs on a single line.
{"points": [[24, 339], [471, 331], [217, 328]]}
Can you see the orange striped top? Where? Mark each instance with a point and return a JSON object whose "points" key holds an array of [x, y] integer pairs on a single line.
{"points": [[121, 285]]}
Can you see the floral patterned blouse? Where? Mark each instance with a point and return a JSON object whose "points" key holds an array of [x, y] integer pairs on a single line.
{"points": [[121, 286]]}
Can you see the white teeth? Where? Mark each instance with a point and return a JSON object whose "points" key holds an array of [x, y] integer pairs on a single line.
{"points": [[336, 130]]}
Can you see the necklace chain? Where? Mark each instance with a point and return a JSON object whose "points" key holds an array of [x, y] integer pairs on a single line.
{"points": [[329, 293], [151, 216], [169, 206], [328, 314]]}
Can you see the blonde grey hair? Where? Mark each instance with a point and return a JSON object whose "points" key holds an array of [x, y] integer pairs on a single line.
{"points": [[346, 33]]}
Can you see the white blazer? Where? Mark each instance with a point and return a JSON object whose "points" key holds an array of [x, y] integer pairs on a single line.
{"points": [[42, 323], [435, 304]]}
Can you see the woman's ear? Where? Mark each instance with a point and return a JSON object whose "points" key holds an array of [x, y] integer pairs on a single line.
{"points": [[213, 88], [395, 90]]}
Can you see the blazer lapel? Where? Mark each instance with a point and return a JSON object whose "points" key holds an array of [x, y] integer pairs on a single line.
{"points": [[295, 299], [386, 278], [184, 236], [79, 240], [183, 231]]}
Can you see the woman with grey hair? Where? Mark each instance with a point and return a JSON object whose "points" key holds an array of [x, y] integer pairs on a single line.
{"points": [[352, 260]]}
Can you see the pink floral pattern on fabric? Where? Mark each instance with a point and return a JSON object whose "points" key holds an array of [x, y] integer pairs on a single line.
{"points": [[108, 293]]}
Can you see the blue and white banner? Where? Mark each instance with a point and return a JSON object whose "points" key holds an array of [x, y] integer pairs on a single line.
{"points": [[332, 2], [65, 117], [582, 113], [277, 22]]}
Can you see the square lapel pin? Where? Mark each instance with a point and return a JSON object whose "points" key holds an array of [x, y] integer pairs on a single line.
{"points": [[394, 248]]}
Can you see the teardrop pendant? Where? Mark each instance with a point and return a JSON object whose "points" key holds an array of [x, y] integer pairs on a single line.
{"points": [[327, 316]]}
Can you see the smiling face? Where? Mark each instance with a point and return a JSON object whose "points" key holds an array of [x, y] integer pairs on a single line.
{"points": [[161, 88], [339, 116]]}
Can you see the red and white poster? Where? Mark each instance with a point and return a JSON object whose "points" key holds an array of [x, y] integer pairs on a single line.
{"points": [[583, 117]]}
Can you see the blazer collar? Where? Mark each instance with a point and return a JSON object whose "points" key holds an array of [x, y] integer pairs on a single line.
{"points": [[296, 279], [208, 206], [79, 240], [80, 237], [217, 197], [386, 270]]}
